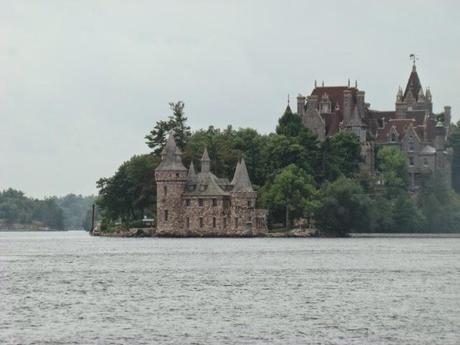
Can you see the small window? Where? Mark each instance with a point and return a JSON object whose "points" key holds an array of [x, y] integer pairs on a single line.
{"points": [[249, 203], [225, 222], [177, 174], [393, 137], [425, 162], [411, 161], [187, 222], [214, 202], [166, 215], [165, 190], [200, 202], [411, 147], [187, 202], [201, 222], [236, 221], [214, 222]]}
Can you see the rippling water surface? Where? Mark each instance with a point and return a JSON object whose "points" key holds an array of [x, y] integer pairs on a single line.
{"points": [[70, 288]]}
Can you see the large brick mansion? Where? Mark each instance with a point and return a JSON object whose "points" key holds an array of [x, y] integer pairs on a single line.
{"points": [[411, 126], [202, 204]]}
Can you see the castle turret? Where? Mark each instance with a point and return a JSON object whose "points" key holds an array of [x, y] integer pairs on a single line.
{"points": [[300, 105], [205, 162], [447, 116], [243, 199], [170, 177], [347, 106], [440, 136]]}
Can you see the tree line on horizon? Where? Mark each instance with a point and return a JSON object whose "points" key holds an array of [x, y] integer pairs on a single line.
{"points": [[70, 212], [296, 177]]}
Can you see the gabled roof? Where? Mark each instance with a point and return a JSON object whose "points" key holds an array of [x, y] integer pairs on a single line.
{"points": [[242, 181], [206, 184], [335, 95], [428, 150], [400, 125]]}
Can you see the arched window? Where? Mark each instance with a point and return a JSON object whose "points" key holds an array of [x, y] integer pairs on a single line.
{"points": [[165, 190]]}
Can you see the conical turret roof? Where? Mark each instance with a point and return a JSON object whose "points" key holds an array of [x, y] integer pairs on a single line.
{"points": [[242, 182], [171, 155], [205, 156], [191, 176], [237, 170], [413, 84]]}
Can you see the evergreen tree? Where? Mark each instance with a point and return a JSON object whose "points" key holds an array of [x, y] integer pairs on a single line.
{"points": [[156, 139]]}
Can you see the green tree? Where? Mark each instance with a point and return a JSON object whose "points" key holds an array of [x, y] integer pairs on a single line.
{"points": [[342, 207], [131, 192], [406, 216], [156, 139], [16, 208], [439, 205], [74, 209], [341, 156], [391, 163], [293, 190], [454, 142], [289, 124]]}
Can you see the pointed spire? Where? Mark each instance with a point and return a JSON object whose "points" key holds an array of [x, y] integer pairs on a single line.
{"points": [[413, 84], [191, 176], [242, 181], [348, 82], [237, 171], [420, 96], [399, 95], [171, 155], [315, 84], [205, 161], [356, 83], [428, 94]]}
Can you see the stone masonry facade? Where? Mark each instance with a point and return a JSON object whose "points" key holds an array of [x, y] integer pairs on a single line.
{"points": [[201, 204], [412, 126]]}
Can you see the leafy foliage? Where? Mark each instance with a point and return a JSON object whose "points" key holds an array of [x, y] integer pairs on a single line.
{"points": [[16, 208], [342, 207], [292, 190], [75, 209], [131, 192], [294, 175], [454, 142]]}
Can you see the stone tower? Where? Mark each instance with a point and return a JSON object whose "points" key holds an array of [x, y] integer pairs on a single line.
{"points": [[243, 199], [170, 177]]}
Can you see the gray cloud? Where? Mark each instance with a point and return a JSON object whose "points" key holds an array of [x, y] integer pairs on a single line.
{"points": [[82, 82]]}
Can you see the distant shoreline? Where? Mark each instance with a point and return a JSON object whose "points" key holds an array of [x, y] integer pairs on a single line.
{"points": [[33, 230], [405, 235]]}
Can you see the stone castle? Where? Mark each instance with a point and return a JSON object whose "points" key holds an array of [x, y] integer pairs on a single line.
{"points": [[411, 126], [201, 204]]}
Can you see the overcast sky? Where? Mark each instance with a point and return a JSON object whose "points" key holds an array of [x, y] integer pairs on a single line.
{"points": [[82, 82]]}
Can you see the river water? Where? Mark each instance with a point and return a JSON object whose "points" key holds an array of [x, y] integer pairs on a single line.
{"points": [[70, 288]]}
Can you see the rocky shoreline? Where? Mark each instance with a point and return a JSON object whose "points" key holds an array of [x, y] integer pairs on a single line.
{"points": [[150, 232]]}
